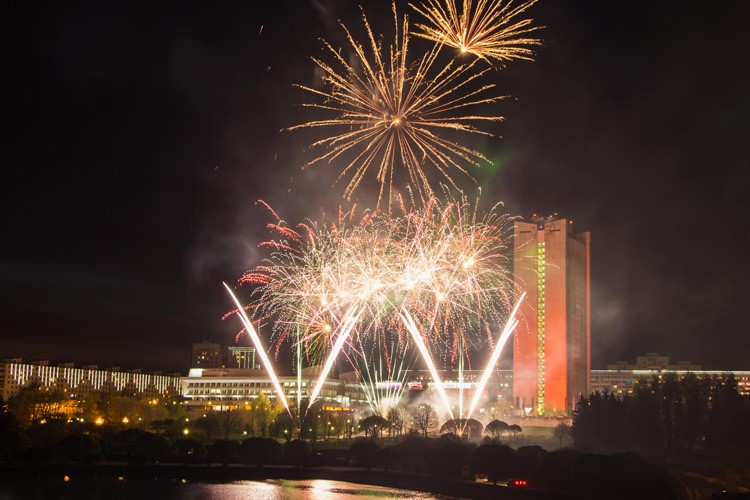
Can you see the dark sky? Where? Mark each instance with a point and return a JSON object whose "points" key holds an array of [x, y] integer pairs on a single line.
{"points": [[139, 134]]}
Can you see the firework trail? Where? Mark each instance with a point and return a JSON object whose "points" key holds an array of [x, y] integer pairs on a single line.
{"points": [[259, 348], [389, 112], [488, 29], [510, 325]]}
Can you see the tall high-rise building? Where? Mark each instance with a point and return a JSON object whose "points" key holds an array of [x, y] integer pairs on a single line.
{"points": [[206, 354], [241, 357], [551, 347]]}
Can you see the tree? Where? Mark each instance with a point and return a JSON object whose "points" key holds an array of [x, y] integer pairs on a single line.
{"points": [[283, 426], [210, 424], [34, 403], [424, 419], [263, 414], [496, 429], [462, 426], [562, 431], [514, 430], [373, 425], [396, 421]]}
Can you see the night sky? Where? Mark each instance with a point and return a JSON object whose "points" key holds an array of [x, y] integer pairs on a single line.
{"points": [[138, 135]]}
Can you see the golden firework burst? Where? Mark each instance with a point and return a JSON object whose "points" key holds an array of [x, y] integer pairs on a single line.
{"points": [[489, 29], [391, 113]]}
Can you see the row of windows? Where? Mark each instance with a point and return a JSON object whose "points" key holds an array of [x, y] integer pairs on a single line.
{"points": [[56, 376]]}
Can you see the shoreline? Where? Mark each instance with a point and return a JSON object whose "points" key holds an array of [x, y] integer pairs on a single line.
{"points": [[224, 474]]}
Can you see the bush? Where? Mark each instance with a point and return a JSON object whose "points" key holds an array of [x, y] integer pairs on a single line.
{"points": [[188, 450], [297, 452], [77, 448], [363, 453], [224, 451], [451, 456], [13, 444], [149, 448], [260, 451], [495, 460]]}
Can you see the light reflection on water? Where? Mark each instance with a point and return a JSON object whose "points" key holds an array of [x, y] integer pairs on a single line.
{"points": [[322, 489], [276, 489]]}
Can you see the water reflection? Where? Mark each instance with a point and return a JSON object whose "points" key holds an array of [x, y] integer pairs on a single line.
{"points": [[112, 489]]}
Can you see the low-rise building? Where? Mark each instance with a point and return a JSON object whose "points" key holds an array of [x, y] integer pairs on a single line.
{"points": [[623, 382], [222, 388], [80, 382]]}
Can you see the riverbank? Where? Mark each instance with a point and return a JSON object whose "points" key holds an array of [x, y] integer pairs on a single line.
{"points": [[221, 474]]}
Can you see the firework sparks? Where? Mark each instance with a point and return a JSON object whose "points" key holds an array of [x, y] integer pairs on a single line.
{"points": [[445, 261], [343, 336], [488, 29], [390, 112]]}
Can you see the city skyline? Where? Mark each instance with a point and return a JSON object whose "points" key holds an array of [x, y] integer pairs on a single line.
{"points": [[141, 139]]}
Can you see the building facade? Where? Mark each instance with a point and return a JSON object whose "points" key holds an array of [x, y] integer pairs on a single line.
{"points": [[621, 378], [225, 388], [83, 381], [551, 345], [241, 357], [623, 382], [206, 354], [497, 396]]}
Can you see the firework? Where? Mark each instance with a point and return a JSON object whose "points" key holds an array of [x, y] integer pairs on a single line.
{"points": [[386, 111], [259, 348], [488, 29], [510, 325], [349, 286]]}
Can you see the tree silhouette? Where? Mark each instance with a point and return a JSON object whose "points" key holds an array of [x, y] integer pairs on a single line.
{"points": [[514, 430], [461, 427], [373, 425], [667, 416], [396, 420], [496, 429], [424, 419], [561, 432]]}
